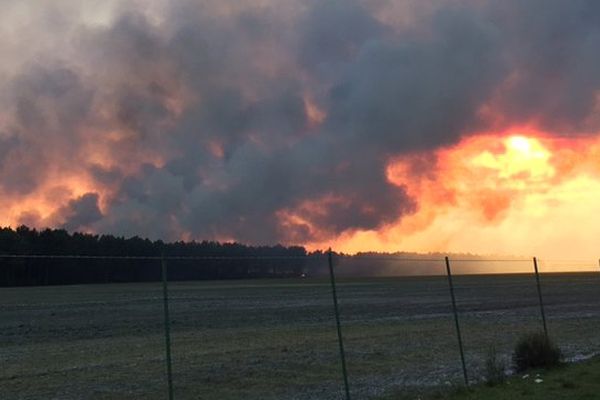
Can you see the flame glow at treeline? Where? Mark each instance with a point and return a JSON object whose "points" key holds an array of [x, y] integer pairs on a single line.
{"points": [[415, 125]]}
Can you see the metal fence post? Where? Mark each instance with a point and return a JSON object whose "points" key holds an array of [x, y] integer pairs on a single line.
{"points": [[337, 322], [167, 328], [539, 291], [458, 334]]}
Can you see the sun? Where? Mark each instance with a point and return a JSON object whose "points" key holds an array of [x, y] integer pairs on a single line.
{"points": [[518, 161], [521, 144], [530, 148]]}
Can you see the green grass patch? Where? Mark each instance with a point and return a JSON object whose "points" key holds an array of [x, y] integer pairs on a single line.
{"points": [[580, 381]]}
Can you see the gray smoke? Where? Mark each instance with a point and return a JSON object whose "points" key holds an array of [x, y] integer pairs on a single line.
{"points": [[195, 121]]}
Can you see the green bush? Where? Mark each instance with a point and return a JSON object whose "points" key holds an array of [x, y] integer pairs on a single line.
{"points": [[535, 350], [495, 368]]}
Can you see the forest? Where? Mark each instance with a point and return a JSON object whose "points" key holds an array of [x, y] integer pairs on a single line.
{"points": [[57, 257]]}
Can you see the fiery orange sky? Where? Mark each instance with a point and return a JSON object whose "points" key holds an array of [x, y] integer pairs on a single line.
{"points": [[519, 192]]}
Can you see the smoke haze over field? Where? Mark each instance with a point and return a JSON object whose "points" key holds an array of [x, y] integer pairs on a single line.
{"points": [[284, 121]]}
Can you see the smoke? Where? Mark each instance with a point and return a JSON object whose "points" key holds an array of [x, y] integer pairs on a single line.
{"points": [[268, 121], [549, 45], [81, 212]]}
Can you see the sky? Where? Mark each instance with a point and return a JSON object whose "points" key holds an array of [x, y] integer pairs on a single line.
{"points": [[412, 125]]}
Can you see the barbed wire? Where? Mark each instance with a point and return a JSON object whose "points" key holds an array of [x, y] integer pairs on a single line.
{"points": [[596, 261], [153, 258], [390, 258], [490, 260], [339, 257]]}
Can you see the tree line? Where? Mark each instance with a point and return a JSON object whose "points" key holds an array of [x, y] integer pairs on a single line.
{"points": [[220, 260]]}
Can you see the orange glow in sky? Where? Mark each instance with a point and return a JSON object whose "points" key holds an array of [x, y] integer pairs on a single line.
{"points": [[520, 192], [41, 207]]}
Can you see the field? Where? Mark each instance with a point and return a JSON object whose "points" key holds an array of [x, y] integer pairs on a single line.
{"points": [[276, 339]]}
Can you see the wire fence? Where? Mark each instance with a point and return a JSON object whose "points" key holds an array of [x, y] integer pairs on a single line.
{"points": [[328, 327]]}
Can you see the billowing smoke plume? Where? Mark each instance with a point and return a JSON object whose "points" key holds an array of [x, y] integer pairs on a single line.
{"points": [[268, 121]]}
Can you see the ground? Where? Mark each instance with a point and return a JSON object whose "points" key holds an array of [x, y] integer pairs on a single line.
{"points": [[274, 339]]}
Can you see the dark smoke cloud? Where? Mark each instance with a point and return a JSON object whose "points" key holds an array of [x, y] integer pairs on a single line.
{"points": [[194, 122], [81, 213], [551, 46]]}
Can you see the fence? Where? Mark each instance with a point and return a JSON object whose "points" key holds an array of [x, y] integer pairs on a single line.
{"points": [[337, 327]]}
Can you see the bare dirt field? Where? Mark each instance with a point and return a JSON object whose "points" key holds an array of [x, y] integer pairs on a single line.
{"points": [[276, 339]]}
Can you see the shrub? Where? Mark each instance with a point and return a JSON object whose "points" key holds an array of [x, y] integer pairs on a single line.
{"points": [[495, 369], [536, 350]]}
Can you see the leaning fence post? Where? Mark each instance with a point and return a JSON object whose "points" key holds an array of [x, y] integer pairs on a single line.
{"points": [[539, 291], [167, 327], [460, 343], [337, 322]]}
